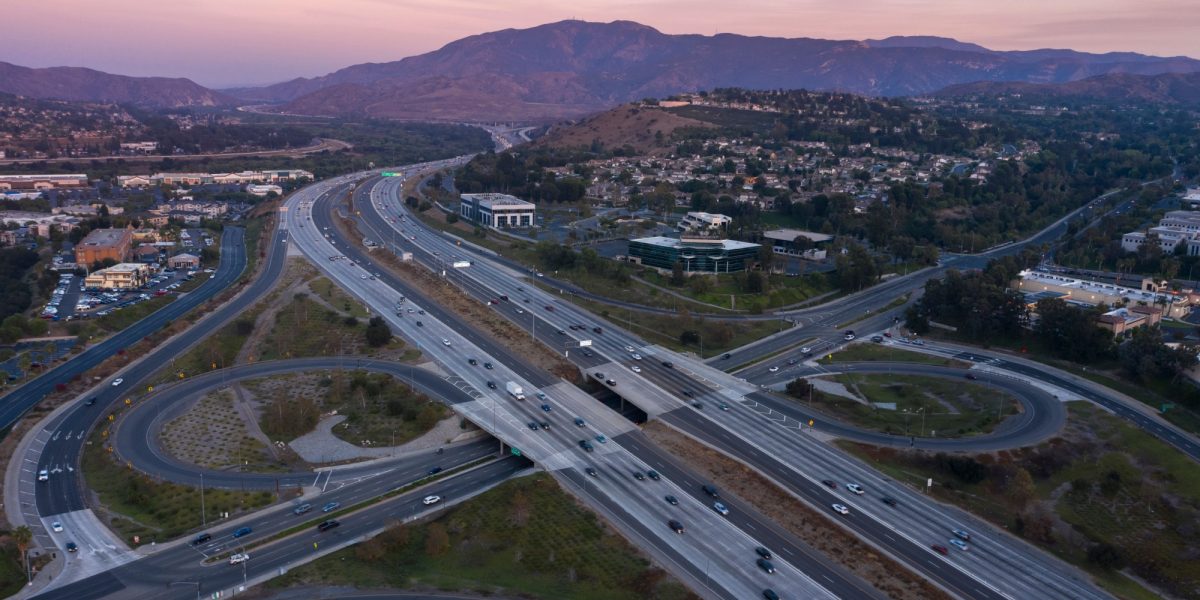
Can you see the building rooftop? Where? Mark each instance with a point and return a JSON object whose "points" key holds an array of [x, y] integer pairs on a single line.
{"points": [[1086, 287], [787, 235], [104, 237], [491, 199], [659, 240]]}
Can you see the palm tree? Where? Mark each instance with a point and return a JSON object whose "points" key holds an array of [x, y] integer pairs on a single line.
{"points": [[23, 536]]}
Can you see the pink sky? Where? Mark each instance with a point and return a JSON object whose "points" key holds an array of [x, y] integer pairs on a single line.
{"points": [[231, 42]]}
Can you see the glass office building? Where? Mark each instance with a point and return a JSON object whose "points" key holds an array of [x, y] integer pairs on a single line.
{"points": [[696, 255]]}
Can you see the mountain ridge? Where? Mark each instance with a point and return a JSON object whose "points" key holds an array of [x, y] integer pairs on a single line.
{"points": [[89, 85]]}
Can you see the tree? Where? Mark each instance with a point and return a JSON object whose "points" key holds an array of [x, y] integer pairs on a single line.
{"points": [[677, 277], [378, 333], [799, 388], [1106, 556], [689, 337], [22, 537], [1022, 489], [1145, 357], [451, 218]]}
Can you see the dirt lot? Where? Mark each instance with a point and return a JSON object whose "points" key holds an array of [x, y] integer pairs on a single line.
{"points": [[810, 526], [213, 434]]}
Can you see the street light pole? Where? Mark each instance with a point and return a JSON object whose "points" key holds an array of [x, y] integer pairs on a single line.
{"points": [[203, 516]]}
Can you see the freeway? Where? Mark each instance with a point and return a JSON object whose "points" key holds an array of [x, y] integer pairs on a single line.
{"points": [[154, 576], [665, 384], [635, 506]]}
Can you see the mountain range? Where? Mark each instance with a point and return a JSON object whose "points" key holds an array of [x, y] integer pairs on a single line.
{"points": [[88, 85], [1166, 88], [572, 68]]}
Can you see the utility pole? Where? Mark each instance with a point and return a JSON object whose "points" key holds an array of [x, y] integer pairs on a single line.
{"points": [[203, 516]]}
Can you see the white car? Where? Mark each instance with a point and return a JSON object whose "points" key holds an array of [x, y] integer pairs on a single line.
{"points": [[841, 509], [445, 342], [721, 509], [118, 381], [238, 558], [636, 369], [56, 526], [629, 348], [43, 475], [773, 369], [637, 356], [857, 489], [431, 500]]}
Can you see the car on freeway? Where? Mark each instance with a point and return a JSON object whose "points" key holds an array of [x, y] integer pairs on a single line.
{"points": [[431, 500], [91, 401], [857, 489], [638, 475], [773, 369], [600, 438], [44, 475], [971, 376], [56, 526], [611, 382], [520, 312], [597, 330], [629, 348], [541, 395], [420, 312], [491, 385], [792, 361], [71, 547], [878, 339], [806, 350], [888, 500], [488, 366], [363, 276], [118, 381], [723, 406], [769, 594], [420, 324], [242, 532], [709, 489], [940, 549], [445, 342], [962, 534], [652, 474], [637, 356], [763, 552], [239, 558], [328, 524], [672, 500], [598, 375], [721, 509], [675, 526], [689, 393], [533, 425], [841, 509], [590, 471], [957, 543], [635, 369], [580, 422], [303, 508], [829, 483], [668, 364], [546, 408], [586, 445], [765, 565], [726, 356], [472, 362], [545, 424], [698, 404], [848, 337], [201, 539], [331, 506], [435, 470]]}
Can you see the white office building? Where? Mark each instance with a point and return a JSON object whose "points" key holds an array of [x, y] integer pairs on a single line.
{"points": [[1176, 227], [702, 222], [498, 211]]}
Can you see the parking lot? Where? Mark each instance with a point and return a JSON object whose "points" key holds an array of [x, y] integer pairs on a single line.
{"points": [[71, 301]]}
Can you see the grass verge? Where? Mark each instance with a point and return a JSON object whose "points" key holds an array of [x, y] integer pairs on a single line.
{"points": [[524, 538], [864, 352]]}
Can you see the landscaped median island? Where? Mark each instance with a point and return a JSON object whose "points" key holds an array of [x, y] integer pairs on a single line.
{"points": [[523, 538], [1103, 495], [864, 352], [811, 526], [901, 404]]}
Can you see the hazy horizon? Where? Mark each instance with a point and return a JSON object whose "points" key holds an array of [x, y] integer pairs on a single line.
{"points": [[268, 41]]}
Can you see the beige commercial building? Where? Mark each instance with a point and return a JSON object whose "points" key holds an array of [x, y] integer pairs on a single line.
{"points": [[124, 276]]}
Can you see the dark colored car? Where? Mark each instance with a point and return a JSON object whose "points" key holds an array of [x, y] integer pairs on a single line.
{"points": [[91, 401], [590, 471], [244, 531], [765, 565], [435, 470], [672, 500], [940, 549], [675, 526], [689, 393], [472, 362], [610, 382], [71, 547], [597, 330], [829, 483], [487, 365], [770, 594], [668, 364], [546, 407], [727, 356], [888, 500], [652, 474], [763, 552], [586, 445], [579, 422], [709, 489], [202, 538], [491, 385], [533, 425], [639, 476], [545, 424], [971, 376], [327, 525]]}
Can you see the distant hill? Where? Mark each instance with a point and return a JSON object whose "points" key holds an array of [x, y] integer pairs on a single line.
{"points": [[87, 85], [575, 67], [626, 125], [1165, 88]]}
